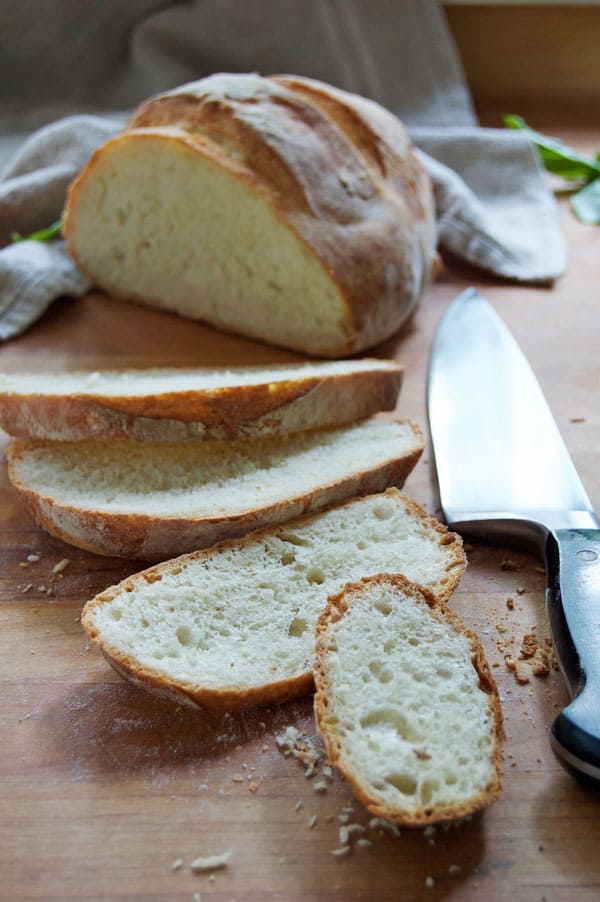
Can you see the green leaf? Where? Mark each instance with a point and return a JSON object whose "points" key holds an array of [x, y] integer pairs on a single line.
{"points": [[556, 156], [586, 203], [47, 234]]}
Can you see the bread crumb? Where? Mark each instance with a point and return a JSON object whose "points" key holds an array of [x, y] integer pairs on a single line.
{"points": [[378, 823], [178, 863], [197, 897], [510, 663], [510, 603], [429, 882], [341, 852], [364, 843], [27, 587], [346, 832], [252, 787], [62, 565], [210, 863], [454, 870], [41, 588], [320, 786], [23, 564], [295, 743], [33, 558], [298, 805], [521, 676], [529, 645], [237, 778]]}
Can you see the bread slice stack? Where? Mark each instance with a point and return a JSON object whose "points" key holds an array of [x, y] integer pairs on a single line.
{"points": [[231, 450], [283, 539]]}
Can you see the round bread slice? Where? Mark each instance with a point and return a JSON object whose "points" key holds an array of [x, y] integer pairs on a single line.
{"points": [[234, 626], [176, 404], [406, 703], [154, 501]]}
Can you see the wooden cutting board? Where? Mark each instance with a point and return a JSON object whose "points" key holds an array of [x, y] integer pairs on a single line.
{"points": [[107, 793]]}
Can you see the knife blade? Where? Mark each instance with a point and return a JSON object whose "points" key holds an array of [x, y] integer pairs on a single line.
{"points": [[504, 473]]}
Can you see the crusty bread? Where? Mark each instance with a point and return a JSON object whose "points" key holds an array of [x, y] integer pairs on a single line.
{"points": [[179, 404], [153, 501], [234, 626], [406, 703], [280, 208]]}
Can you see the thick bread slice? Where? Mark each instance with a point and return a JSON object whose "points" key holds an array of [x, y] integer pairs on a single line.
{"points": [[234, 626], [279, 208], [406, 703], [178, 404], [154, 501]]}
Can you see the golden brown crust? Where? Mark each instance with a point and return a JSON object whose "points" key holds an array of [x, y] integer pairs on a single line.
{"points": [[224, 413], [334, 610], [337, 170], [147, 537]]}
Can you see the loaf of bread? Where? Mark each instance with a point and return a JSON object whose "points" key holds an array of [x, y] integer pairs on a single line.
{"points": [[234, 626], [406, 703], [279, 208], [177, 404], [154, 501]]}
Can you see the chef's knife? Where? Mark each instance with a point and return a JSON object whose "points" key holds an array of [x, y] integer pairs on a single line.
{"points": [[505, 473]]}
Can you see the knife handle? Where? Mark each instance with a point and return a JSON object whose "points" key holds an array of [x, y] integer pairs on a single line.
{"points": [[573, 601]]}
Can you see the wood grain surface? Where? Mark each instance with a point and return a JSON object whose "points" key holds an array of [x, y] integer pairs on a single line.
{"points": [[108, 794]]}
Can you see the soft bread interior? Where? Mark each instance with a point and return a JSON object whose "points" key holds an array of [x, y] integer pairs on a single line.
{"points": [[205, 479], [242, 616], [401, 704], [155, 218]]}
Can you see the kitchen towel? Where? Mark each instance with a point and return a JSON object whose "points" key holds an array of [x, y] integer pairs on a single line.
{"points": [[69, 73]]}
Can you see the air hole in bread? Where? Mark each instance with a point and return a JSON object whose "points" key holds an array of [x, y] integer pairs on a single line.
{"points": [[315, 575], [116, 613], [428, 789], [288, 557], [386, 721], [404, 783], [383, 608], [184, 635], [298, 627]]}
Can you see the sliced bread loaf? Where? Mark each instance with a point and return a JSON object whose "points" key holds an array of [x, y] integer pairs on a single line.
{"points": [[406, 703], [154, 501], [234, 626], [278, 207], [178, 404]]}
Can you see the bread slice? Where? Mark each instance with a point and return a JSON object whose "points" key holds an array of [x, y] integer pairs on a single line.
{"points": [[234, 626], [279, 208], [406, 703], [177, 404], [154, 501]]}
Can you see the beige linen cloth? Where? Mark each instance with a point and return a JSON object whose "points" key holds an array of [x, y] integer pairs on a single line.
{"points": [[69, 70]]}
